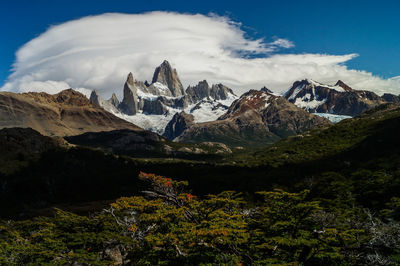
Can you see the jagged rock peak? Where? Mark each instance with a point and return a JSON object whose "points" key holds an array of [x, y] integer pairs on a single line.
{"points": [[164, 74], [129, 79], [114, 100], [198, 92], [265, 89], [129, 104], [343, 85], [95, 97]]}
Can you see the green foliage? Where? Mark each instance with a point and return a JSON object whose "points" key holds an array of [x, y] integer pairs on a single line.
{"points": [[169, 226]]}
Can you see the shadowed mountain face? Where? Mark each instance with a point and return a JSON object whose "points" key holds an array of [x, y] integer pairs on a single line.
{"points": [[178, 124], [66, 113], [258, 118], [339, 99]]}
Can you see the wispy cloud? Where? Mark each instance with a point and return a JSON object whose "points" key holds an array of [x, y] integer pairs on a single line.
{"points": [[97, 52]]}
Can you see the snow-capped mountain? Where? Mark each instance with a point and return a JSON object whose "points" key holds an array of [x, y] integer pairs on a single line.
{"points": [[152, 106], [257, 118], [339, 99]]}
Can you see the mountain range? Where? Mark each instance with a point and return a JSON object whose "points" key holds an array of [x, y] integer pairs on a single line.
{"points": [[152, 106], [214, 113], [150, 113]]}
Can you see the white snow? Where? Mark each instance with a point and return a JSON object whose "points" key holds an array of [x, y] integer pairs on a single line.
{"points": [[305, 103], [161, 87], [229, 100], [155, 123], [206, 112], [336, 88], [333, 118], [148, 96], [296, 91]]}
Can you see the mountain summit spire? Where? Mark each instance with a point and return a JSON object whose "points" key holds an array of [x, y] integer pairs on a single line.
{"points": [[129, 79], [168, 76]]}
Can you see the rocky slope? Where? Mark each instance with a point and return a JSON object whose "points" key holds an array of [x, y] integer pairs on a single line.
{"points": [[152, 106], [178, 124], [339, 99], [258, 118], [66, 113]]}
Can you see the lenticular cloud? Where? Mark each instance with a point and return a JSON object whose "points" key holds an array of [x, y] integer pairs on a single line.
{"points": [[97, 52]]}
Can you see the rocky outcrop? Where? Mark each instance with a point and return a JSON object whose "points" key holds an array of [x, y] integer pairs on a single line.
{"points": [[179, 123], [114, 100], [109, 105], [343, 85], [339, 99], [198, 92], [160, 104], [165, 75], [96, 99], [203, 91], [220, 92], [130, 103], [258, 118], [66, 113], [154, 107]]}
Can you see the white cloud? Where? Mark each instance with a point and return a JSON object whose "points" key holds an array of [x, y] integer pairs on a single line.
{"points": [[97, 52]]}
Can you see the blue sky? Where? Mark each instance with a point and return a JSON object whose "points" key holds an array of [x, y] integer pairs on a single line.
{"points": [[367, 28]]}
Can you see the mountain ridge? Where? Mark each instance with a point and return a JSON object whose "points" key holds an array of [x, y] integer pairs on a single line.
{"points": [[339, 99], [257, 118], [65, 113]]}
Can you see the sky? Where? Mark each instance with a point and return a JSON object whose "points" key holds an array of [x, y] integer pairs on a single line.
{"points": [[52, 45]]}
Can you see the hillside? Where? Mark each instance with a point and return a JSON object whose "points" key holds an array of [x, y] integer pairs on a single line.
{"points": [[66, 113]]}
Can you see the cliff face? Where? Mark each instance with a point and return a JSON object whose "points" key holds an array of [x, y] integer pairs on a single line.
{"points": [[66, 113], [165, 75], [178, 124], [129, 104]]}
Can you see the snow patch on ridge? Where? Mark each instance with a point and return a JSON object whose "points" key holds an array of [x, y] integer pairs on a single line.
{"points": [[296, 91], [160, 86], [316, 84]]}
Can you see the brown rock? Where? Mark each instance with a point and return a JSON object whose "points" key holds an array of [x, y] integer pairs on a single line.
{"points": [[66, 113]]}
